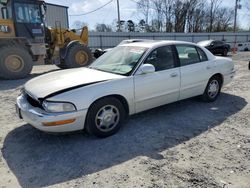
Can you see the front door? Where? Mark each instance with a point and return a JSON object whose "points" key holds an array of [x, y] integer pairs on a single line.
{"points": [[160, 87]]}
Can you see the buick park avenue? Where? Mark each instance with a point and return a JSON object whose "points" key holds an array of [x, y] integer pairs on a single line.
{"points": [[128, 79]]}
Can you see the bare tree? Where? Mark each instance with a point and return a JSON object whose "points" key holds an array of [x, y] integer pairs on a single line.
{"points": [[224, 19], [213, 8], [144, 7], [180, 13], [195, 15], [157, 6], [168, 14], [103, 28], [79, 24]]}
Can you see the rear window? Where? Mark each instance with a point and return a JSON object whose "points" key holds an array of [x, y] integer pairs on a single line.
{"points": [[202, 54]]}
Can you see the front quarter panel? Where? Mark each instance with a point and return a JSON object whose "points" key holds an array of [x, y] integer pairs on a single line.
{"points": [[83, 97]]}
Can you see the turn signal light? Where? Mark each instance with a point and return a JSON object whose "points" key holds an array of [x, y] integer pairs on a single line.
{"points": [[56, 123]]}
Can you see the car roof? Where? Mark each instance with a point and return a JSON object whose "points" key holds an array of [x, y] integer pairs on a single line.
{"points": [[155, 43]]}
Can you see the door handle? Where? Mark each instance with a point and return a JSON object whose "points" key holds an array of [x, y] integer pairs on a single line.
{"points": [[174, 75]]}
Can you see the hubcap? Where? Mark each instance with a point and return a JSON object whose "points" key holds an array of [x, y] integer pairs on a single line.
{"points": [[107, 118], [213, 88], [81, 57], [14, 63]]}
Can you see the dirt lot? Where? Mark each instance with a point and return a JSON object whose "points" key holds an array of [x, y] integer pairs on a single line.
{"points": [[185, 144]]}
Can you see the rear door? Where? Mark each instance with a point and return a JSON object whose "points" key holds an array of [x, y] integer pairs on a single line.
{"points": [[163, 85], [195, 70]]}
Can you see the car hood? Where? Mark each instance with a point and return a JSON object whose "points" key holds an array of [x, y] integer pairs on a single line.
{"points": [[64, 80]]}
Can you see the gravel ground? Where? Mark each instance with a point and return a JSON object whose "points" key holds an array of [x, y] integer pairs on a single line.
{"points": [[185, 144]]}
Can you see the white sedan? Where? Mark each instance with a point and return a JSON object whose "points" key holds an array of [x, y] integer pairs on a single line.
{"points": [[126, 80]]}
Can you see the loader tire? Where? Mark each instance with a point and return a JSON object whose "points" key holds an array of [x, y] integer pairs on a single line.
{"points": [[15, 62], [77, 56]]}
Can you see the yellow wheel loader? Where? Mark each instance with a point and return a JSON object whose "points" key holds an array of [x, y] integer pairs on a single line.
{"points": [[24, 39]]}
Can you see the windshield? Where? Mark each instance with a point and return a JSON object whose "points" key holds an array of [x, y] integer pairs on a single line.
{"points": [[27, 13], [120, 60]]}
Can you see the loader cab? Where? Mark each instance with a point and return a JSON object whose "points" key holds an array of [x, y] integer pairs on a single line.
{"points": [[28, 18]]}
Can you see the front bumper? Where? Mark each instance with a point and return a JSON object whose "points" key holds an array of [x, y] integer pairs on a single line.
{"points": [[35, 116]]}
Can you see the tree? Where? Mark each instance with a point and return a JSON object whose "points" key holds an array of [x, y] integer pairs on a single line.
{"points": [[103, 28], [224, 19], [180, 13], [144, 7], [157, 6], [213, 8], [142, 27], [168, 13], [79, 24], [195, 15], [130, 26]]}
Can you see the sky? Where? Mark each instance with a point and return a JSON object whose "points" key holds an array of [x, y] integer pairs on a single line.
{"points": [[127, 11]]}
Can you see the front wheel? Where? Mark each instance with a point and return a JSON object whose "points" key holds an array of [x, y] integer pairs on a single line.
{"points": [[105, 117], [212, 90]]}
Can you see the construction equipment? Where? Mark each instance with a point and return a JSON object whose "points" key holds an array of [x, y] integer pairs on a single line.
{"points": [[24, 38]]}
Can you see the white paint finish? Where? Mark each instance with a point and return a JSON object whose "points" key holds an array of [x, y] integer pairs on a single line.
{"points": [[194, 78], [141, 92], [63, 79], [155, 89], [85, 96], [36, 116]]}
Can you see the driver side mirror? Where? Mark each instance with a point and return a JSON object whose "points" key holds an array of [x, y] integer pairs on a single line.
{"points": [[146, 69]]}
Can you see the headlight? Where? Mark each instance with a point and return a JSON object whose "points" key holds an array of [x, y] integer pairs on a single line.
{"points": [[58, 106]]}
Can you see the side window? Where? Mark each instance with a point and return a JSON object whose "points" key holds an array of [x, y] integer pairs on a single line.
{"points": [[162, 58], [219, 42], [202, 54], [187, 54]]}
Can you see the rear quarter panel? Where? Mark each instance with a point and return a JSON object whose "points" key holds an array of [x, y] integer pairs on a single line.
{"points": [[224, 66]]}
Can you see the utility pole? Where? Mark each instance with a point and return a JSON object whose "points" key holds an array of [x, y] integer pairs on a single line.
{"points": [[237, 6], [119, 18]]}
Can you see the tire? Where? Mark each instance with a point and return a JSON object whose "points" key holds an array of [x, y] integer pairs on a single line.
{"points": [[113, 113], [212, 90], [225, 51], [78, 55], [61, 66], [15, 62]]}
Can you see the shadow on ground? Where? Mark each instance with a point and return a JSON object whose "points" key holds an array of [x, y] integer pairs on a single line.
{"points": [[38, 159]]}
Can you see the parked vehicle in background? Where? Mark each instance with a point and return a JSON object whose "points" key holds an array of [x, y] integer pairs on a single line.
{"points": [[128, 79], [244, 46], [99, 52], [216, 46]]}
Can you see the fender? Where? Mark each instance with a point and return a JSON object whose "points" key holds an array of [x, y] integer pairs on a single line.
{"points": [[64, 51], [71, 88]]}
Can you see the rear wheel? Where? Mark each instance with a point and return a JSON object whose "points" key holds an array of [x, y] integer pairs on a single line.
{"points": [[213, 89], [225, 51], [78, 55], [15, 62], [105, 117]]}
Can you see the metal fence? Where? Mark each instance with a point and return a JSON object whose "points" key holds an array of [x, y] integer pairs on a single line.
{"points": [[110, 39]]}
